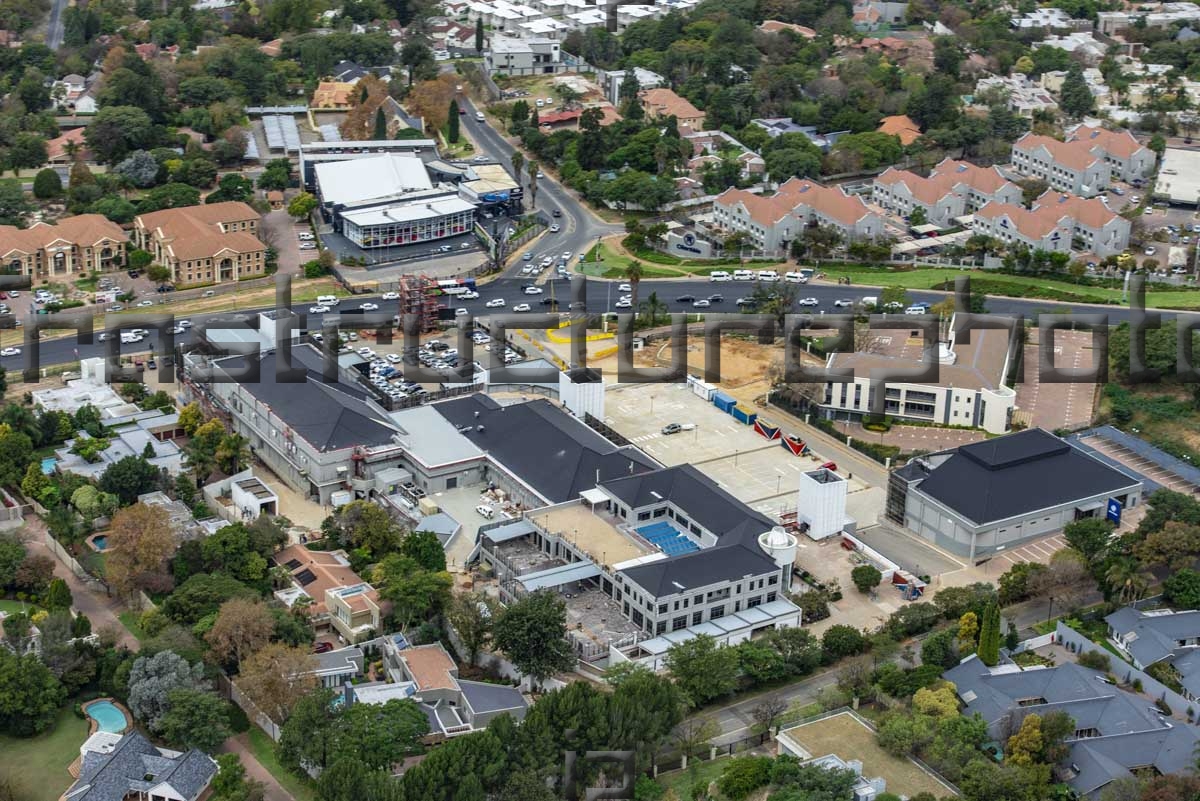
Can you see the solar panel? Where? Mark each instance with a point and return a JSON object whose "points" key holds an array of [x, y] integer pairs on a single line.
{"points": [[305, 577], [293, 564]]}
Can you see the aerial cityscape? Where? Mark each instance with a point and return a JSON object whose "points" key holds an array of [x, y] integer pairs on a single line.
{"points": [[698, 400]]}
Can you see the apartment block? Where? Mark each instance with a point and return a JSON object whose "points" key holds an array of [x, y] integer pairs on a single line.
{"points": [[208, 244], [1015, 225], [1095, 228], [72, 246], [772, 222], [1127, 158], [1066, 166], [902, 192]]}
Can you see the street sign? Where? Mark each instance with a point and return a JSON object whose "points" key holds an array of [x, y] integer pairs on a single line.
{"points": [[1113, 512]]}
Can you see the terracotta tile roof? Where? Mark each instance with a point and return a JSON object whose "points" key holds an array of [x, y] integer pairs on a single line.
{"points": [[663, 102], [1075, 155], [272, 48], [775, 26], [558, 117], [927, 190], [1090, 212], [430, 667], [196, 231], [57, 147], [830, 201], [901, 126], [1031, 224], [763, 210], [610, 114], [332, 94], [83, 229], [1121, 144], [983, 179], [322, 570]]}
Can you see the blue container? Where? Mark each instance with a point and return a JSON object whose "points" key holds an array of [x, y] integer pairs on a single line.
{"points": [[723, 402]]}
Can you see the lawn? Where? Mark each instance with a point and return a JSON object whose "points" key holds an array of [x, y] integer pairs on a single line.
{"points": [[263, 748], [38, 765], [1010, 285], [12, 607], [681, 781], [130, 621], [849, 738]]}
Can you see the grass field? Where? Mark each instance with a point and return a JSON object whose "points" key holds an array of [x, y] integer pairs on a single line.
{"points": [[38, 765], [12, 607], [264, 751], [130, 621], [850, 739], [682, 781]]}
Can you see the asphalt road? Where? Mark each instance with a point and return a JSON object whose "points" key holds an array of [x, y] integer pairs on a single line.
{"points": [[54, 27], [600, 296]]}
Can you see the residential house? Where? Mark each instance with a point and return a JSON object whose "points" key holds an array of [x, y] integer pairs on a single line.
{"points": [[523, 56], [772, 222], [902, 127], [1160, 637], [10, 39], [871, 15], [1118, 735], [115, 767], [1049, 18], [711, 147], [1053, 81], [1022, 96], [901, 192], [130, 434], [1067, 166], [452, 705], [775, 26], [1095, 228], [661, 102], [67, 89], [271, 49], [1127, 158], [332, 95], [73, 246], [990, 496], [334, 594], [209, 244], [1082, 43]]}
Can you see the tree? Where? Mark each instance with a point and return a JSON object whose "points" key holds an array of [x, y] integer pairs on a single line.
{"points": [[452, 123], [702, 669], [1025, 747], [191, 418], [989, 637], [634, 272], [866, 577], [16, 449], [414, 593], [918, 216], [302, 205], [140, 541], [693, 734], [1175, 546], [30, 695], [151, 681], [471, 614], [518, 163], [195, 719], [1182, 589], [58, 595], [1075, 98], [241, 628], [841, 641], [130, 477], [201, 595], [381, 735], [532, 632], [47, 184], [425, 549], [938, 702], [768, 710], [140, 168], [1089, 536], [479, 36], [532, 169], [231, 784], [276, 676], [1125, 578], [938, 649], [744, 775], [118, 130], [968, 630]]}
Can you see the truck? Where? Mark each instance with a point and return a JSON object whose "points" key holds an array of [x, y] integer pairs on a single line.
{"points": [[1177, 257]]}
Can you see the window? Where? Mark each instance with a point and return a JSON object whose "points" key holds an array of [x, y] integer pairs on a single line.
{"points": [[660, 627], [662, 609], [697, 618], [643, 515], [753, 602], [698, 599], [679, 623], [716, 612], [773, 580]]}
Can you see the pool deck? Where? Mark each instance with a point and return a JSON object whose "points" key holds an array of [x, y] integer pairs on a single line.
{"points": [[94, 725]]}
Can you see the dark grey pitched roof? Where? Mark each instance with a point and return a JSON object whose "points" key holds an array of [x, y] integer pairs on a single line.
{"points": [[1017, 474], [136, 765], [1156, 634], [484, 697], [544, 446], [329, 417], [699, 569], [697, 495], [1105, 759]]}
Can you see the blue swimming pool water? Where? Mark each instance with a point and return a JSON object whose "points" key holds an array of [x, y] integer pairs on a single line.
{"points": [[48, 465], [101, 542], [108, 717]]}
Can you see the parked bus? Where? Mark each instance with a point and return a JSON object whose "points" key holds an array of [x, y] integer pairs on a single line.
{"points": [[455, 286]]}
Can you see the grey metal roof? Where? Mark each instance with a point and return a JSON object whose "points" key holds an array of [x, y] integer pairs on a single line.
{"points": [[328, 416], [1020, 473], [431, 439], [135, 764], [558, 575], [552, 452], [484, 697], [510, 531]]}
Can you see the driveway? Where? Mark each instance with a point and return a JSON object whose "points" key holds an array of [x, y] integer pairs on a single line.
{"points": [[88, 598], [281, 229], [272, 789]]}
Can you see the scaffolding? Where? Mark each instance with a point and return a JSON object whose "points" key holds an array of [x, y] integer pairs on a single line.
{"points": [[419, 299]]}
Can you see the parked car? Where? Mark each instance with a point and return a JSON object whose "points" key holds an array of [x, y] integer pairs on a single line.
{"points": [[809, 302], [521, 307], [390, 296], [671, 428]]}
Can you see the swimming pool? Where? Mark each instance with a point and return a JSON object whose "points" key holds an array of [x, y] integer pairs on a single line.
{"points": [[107, 716], [100, 542], [48, 465]]}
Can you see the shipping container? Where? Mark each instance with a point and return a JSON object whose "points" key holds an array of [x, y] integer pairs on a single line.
{"points": [[723, 401], [744, 415]]}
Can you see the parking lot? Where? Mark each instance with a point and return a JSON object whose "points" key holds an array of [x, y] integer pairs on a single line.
{"points": [[758, 472], [1039, 551], [1052, 405], [1144, 467]]}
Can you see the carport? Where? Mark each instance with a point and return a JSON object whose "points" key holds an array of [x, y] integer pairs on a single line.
{"points": [[510, 531], [558, 576]]}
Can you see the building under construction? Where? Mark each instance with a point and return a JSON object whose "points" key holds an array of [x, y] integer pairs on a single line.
{"points": [[419, 301]]}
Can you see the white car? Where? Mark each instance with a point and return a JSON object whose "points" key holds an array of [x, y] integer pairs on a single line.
{"points": [[184, 324], [10, 352], [554, 229], [768, 276], [843, 303], [318, 309], [623, 303], [533, 290], [394, 358], [1150, 251], [701, 304], [527, 257], [177, 329], [307, 246], [390, 296], [305, 236], [461, 312], [145, 303], [809, 302], [566, 256], [369, 306], [624, 288], [521, 307], [366, 353], [495, 303], [469, 296]]}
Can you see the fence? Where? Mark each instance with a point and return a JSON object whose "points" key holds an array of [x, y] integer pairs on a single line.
{"points": [[64, 556], [672, 761], [231, 692]]}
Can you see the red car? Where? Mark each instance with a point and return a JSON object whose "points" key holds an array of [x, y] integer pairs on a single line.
{"points": [[322, 648], [830, 466]]}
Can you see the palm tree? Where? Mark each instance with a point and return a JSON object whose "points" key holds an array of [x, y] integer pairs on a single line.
{"points": [[653, 306], [232, 453], [634, 273], [1124, 576], [518, 164], [532, 169], [199, 459]]}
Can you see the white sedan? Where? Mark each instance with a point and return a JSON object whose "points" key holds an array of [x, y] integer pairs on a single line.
{"points": [[521, 307], [318, 309], [623, 303], [390, 296], [809, 302], [369, 306], [461, 312], [495, 303], [145, 303], [10, 352], [469, 296], [843, 303], [533, 290], [624, 288], [554, 229], [177, 329], [566, 256]]}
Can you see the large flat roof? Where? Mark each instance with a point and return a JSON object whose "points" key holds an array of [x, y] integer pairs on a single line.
{"points": [[358, 180], [431, 439], [409, 211], [594, 534], [1179, 177]]}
